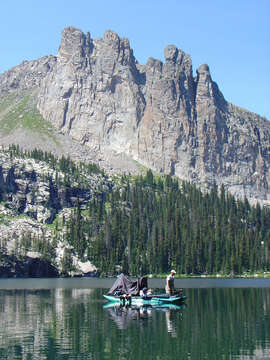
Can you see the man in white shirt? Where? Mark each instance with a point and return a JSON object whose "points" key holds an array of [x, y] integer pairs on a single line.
{"points": [[170, 283]]}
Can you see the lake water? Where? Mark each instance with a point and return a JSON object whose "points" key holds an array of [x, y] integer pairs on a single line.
{"points": [[68, 319]]}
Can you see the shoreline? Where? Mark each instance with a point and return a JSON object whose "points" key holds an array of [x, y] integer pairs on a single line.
{"points": [[259, 275], [217, 276]]}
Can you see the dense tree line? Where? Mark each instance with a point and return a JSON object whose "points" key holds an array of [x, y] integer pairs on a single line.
{"points": [[152, 224]]}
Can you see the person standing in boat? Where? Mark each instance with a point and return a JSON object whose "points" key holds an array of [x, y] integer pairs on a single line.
{"points": [[170, 283]]}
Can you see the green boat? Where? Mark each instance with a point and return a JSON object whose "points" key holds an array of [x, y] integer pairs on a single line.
{"points": [[148, 300], [126, 291]]}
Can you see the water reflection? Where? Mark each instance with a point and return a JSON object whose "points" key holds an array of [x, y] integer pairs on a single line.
{"points": [[39, 323], [124, 315], [70, 323]]}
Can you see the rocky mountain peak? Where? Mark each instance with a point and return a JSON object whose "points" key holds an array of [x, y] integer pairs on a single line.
{"points": [[111, 38], [207, 90], [170, 53], [158, 114], [203, 70], [73, 42], [174, 55], [75, 47], [204, 84]]}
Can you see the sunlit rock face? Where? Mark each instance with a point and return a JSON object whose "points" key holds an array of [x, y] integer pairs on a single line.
{"points": [[158, 114], [93, 92]]}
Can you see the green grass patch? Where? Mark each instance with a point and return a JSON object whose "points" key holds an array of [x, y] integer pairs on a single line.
{"points": [[4, 220], [57, 225], [7, 101], [21, 112]]}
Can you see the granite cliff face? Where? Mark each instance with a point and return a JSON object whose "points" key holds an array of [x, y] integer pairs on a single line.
{"points": [[159, 114]]}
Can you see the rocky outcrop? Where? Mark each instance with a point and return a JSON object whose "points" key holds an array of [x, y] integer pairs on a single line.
{"points": [[26, 76], [38, 190], [158, 114], [36, 202]]}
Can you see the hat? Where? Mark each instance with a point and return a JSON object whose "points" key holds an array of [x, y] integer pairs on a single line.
{"points": [[173, 271], [144, 289]]}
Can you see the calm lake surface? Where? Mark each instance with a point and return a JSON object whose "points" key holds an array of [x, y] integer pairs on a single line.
{"points": [[68, 319]]}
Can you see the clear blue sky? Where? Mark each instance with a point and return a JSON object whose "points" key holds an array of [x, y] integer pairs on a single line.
{"points": [[231, 36]]}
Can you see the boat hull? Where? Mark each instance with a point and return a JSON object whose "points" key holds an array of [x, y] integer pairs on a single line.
{"points": [[137, 300]]}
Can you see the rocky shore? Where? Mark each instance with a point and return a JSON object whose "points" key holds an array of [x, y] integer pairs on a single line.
{"points": [[13, 267]]}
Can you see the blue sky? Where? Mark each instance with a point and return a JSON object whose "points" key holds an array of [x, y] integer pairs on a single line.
{"points": [[231, 36]]}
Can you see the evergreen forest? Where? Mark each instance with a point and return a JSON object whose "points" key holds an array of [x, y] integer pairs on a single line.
{"points": [[151, 224]]}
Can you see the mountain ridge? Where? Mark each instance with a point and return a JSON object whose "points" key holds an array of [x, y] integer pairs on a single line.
{"points": [[158, 114]]}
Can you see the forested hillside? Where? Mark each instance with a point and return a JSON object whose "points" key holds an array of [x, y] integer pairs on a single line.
{"points": [[139, 225], [152, 224]]}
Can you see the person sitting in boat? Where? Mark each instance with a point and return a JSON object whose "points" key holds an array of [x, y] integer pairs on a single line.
{"points": [[145, 293], [170, 283], [127, 296]]}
